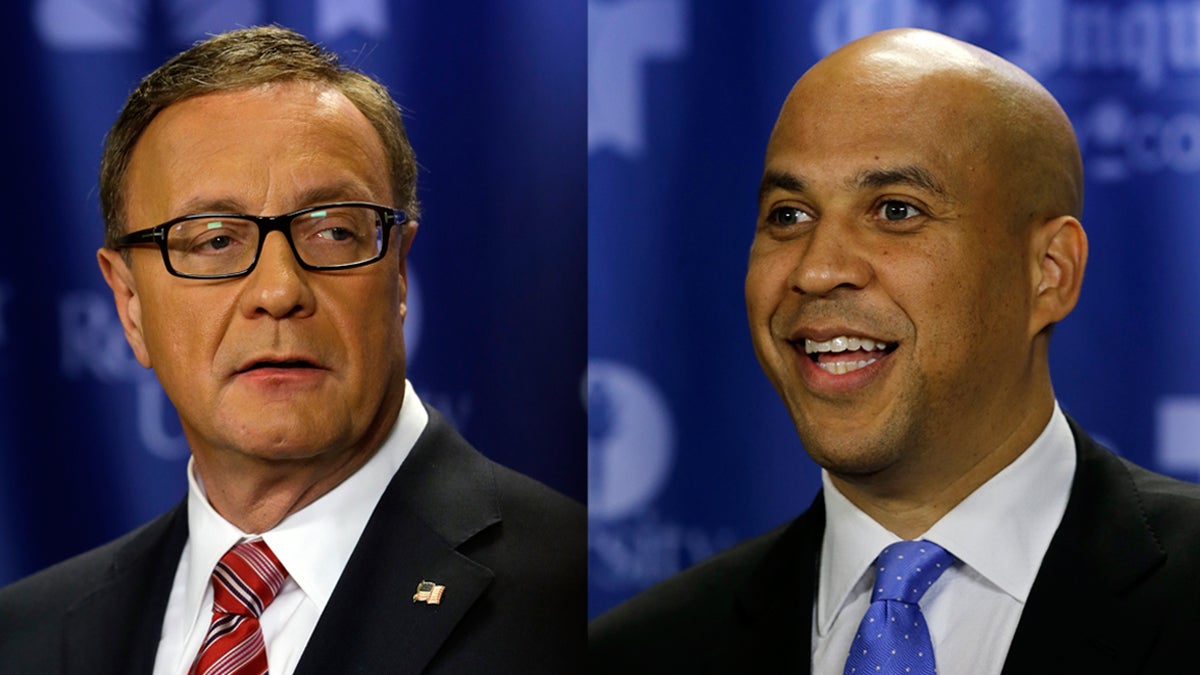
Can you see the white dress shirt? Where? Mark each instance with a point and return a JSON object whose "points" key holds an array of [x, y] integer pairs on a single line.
{"points": [[313, 544], [999, 534]]}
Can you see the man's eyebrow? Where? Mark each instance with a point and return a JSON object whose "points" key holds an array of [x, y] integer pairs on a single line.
{"points": [[774, 179], [347, 191], [209, 205], [908, 174]]}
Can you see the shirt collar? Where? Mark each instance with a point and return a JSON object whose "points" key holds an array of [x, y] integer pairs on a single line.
{"points": [[1001, 530], [850, 545], [336, 519]]}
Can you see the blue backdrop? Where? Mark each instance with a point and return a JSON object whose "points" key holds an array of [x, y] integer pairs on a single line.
{"points": [[495, 95], [690, 449]]}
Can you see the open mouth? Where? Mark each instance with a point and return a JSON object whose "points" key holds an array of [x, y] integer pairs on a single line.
{"points": [[846, 354], [259, 365]]}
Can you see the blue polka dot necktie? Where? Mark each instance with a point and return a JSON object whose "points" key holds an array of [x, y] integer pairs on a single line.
{"points": [[893, 638]]}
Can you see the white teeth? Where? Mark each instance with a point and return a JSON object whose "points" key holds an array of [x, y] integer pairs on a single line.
{"points": [[843, 367], [843, 343]]}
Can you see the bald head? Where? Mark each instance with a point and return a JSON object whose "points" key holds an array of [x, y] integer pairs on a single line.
{"points": [[988, 112]]}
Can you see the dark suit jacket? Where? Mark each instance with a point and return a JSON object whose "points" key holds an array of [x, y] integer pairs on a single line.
{"points": [[510, 552], [1118, 591]]}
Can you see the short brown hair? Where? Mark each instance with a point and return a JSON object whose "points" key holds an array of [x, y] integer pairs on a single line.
{"points": [[236, 60]]}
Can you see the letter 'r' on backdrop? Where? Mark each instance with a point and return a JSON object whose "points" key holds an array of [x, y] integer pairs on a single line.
{"points": [[495, 100], [690, 449]]}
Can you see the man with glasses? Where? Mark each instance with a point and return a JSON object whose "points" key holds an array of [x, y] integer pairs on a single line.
{"points": [[260, 202]]}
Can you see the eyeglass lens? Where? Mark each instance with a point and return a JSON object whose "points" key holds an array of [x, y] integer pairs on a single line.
{"points": [[330, 237]]}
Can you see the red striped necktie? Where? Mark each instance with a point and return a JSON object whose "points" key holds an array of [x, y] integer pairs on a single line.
{"points": [[245, 581]]}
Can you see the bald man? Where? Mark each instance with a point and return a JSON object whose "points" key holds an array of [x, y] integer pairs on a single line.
{"points": [[918, 237]]}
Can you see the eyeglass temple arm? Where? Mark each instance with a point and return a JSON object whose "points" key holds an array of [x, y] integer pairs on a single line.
{"points": [[150, 236]]}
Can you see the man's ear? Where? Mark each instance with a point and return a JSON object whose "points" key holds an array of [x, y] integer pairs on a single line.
{"points": [[1060, 251], [406, 239], [129, 306]]}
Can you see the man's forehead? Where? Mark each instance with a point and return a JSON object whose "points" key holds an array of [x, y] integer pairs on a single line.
{"points": [[227, 151], [909, 133], [260, 102], [914, 78], [864, 99]]}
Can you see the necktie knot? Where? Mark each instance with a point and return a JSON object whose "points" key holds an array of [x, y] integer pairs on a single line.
{"points": [[893, 638], [906, 569], [247, 579]]}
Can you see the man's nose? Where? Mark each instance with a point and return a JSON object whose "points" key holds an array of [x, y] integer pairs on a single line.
{"points": [[831, 259], [278, 284]]}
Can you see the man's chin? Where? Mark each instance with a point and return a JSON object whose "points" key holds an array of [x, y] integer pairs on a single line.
{"points": [[283, 440], [849, 450], [854, 464]]}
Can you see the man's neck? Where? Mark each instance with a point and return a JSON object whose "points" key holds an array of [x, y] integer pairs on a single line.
{"points": [[908, 499], [256, 495]]}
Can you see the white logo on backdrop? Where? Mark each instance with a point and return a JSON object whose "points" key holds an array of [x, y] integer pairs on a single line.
{"points": [[92, 341], [93, 346], [1147, 41], [839, 21], [341, 17], [1144, 43], [412, 320], [623, 38], [115, 25], [630, 440], [1120, 143], [631, 450], [1178, 435]]}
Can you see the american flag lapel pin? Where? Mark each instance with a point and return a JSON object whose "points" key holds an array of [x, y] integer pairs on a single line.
{"points": [[429, 593]]}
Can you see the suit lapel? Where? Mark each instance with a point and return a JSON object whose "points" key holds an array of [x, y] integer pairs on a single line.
{"points": [[1103, 548], [116, 629], [442, 496], [776, 604]]}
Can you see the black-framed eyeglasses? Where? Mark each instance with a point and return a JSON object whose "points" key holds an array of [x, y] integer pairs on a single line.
{"points": [[223, 245]]}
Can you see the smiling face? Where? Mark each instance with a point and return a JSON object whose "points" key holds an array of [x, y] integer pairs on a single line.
{"points": [[283, 364], [893, 278]]}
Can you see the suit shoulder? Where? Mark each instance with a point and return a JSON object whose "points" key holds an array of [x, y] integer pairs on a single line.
{"points": [[527, 498], [541, 535], [443, 464], [680, 613], [1164, 491], [33, 609], [1170, 506], [64, 583]]}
